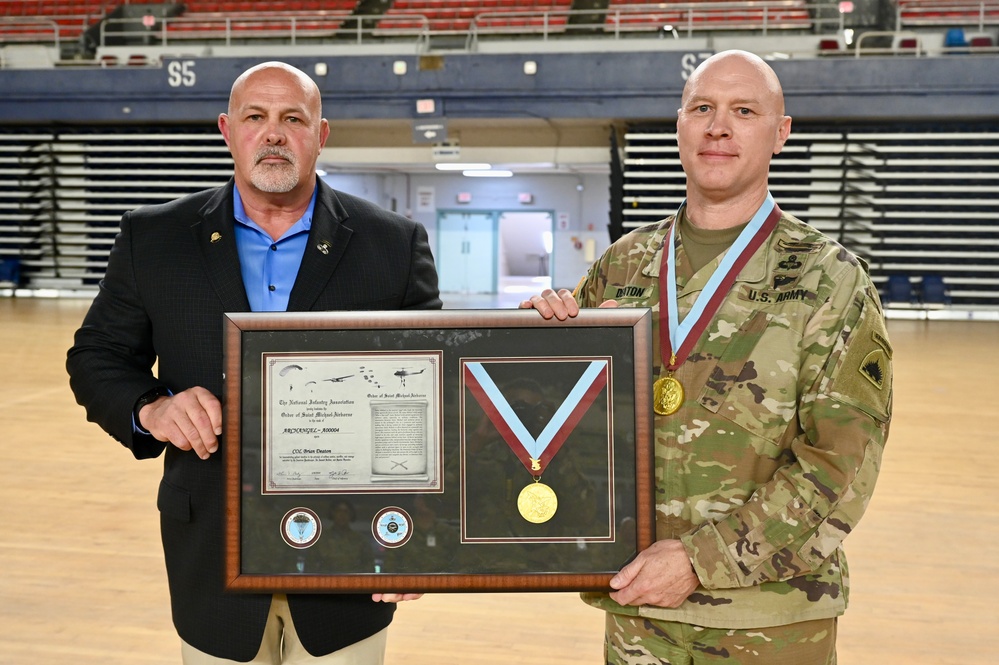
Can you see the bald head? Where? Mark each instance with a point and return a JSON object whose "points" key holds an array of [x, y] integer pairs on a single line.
{"points": [[738, 65], [282, 71]]}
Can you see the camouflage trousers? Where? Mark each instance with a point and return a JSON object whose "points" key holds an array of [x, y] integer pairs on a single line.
{"points": [[639, 641]]}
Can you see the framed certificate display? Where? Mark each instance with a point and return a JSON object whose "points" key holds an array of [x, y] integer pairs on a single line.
{"points": [[454, 450]]}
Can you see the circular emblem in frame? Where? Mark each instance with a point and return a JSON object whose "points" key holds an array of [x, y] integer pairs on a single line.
{"points": [[300, 528], [391, 527]]}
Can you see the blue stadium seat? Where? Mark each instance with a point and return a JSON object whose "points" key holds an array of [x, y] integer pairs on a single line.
{"points": [[899, 290], [955, 41], [933, 291], [10, 271]]}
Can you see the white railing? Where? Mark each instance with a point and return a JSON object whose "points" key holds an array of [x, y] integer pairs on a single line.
{"points": [[757, 16], [44, 31], [691, 17], [229, 28], [975, 14]]}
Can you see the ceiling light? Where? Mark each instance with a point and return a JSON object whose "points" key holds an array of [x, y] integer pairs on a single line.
{"points": [[462, 166], [493, 173]]}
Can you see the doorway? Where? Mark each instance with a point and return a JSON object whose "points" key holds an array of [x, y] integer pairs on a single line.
{"points": [[494, 252], [526, 243], [466, 252]]}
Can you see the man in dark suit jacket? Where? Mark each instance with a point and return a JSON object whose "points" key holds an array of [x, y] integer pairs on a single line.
{"points": [[276, 237]]}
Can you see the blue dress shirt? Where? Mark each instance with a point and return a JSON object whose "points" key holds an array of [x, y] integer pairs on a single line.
{"points": [[270, 266]]}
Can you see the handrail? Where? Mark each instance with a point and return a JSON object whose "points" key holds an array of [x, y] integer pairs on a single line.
{"points": [[750, 15], [228, 27], [27, 22], [972, 13]]}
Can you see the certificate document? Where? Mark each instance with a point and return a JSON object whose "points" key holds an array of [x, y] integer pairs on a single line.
{"points": [[351, 422]]}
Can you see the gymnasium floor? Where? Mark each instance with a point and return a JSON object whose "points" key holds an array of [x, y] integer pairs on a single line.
{"points": [[81, 571]]}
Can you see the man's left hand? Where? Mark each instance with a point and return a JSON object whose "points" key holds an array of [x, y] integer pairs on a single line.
{"points": [[394, 597], [661, 575]]}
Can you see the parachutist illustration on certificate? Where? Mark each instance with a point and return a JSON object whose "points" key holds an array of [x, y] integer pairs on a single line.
{"points": [[351, 422]]}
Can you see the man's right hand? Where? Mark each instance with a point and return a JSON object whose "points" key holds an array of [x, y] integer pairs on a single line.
{"points": [[560, 305], [190, 420]]}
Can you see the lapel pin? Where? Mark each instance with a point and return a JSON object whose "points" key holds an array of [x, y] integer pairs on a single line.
{"points": [[324, 247], [216, 236]]}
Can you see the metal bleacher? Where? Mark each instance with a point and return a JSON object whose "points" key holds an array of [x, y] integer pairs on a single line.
{"points": [[245, 20], [62, 194], [488, 15], [975, 14], [241, 22], [690, 17], [229, 22], [920, 203], [966, 26], [916, 204], [68, 18]]}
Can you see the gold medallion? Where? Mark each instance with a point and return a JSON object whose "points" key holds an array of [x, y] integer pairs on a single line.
{"points": [[537, 503], [667, 395]]}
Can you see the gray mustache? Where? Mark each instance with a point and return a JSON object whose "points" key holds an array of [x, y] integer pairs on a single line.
{"points": [[274, 152]]}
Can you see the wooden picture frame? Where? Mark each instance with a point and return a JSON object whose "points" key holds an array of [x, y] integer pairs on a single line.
{"points": [[453, 450]]}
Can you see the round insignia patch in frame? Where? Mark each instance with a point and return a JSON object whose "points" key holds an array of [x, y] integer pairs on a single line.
{"points": [[391, 527], [300, 528]]}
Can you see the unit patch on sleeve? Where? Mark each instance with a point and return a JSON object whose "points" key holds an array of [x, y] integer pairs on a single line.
{"points": [[874, 368], [865, 374]]}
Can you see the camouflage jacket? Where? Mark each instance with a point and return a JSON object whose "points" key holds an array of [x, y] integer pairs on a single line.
{"points": [[771, 460]]}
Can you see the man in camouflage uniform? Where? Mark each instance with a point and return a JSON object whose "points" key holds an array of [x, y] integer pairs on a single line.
{"points": [[772, 453]]}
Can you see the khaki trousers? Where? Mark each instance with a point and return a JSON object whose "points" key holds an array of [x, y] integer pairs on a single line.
{"points": [[281, 646]]}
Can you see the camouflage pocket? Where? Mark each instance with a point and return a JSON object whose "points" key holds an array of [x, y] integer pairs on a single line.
{"points": [[754, 382]]}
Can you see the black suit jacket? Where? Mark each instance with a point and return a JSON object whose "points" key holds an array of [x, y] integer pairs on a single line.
{"points": [[172, 273]]}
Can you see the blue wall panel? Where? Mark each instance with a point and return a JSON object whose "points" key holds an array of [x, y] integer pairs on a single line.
{"points": [[624, 86]]}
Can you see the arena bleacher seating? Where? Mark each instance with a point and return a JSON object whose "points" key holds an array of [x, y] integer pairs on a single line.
{"points": [[910, 202], [40, 19], [919, 204], [486, 15], [303, 21], [688, 17], [936, 13]]}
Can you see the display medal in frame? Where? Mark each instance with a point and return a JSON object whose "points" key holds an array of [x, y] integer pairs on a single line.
{"points": [[436, 451]]}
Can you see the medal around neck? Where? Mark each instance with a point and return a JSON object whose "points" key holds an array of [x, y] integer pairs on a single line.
{"points": [[676, 337], [667, 395]]}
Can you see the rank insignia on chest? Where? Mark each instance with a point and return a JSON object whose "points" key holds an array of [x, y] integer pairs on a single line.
{"points": [[792, 247], [783, 279]]}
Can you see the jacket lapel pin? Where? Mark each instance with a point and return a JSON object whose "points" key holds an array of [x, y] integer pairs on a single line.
{"points": [[324, 247], [216, 237]]}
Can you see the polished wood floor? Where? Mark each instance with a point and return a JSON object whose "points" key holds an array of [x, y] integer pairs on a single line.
{"points": [[82, 579]]}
